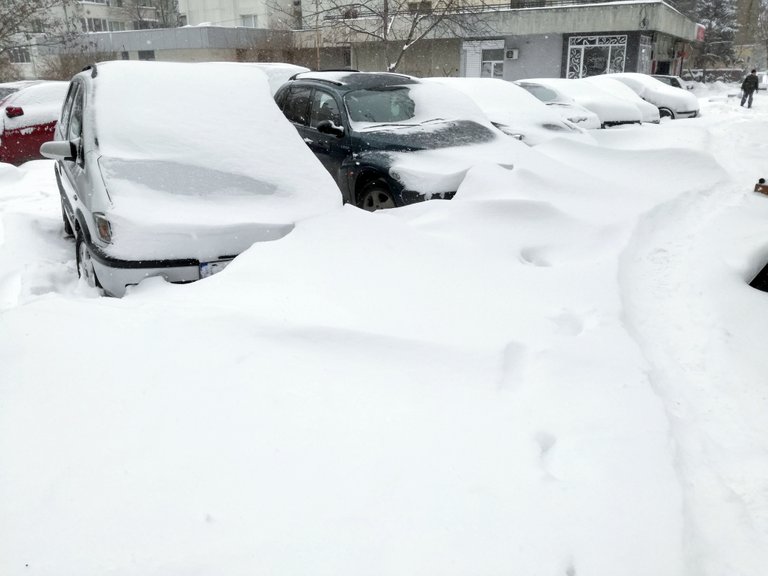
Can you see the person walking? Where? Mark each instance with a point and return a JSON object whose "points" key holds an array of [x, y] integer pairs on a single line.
{"points": [[748, 88]]}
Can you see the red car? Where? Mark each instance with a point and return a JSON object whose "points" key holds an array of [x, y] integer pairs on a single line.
{"points": [[28, 118]]}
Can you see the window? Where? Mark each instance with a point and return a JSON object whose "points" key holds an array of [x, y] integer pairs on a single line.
{"points": [[125, 56], [94, 25], [19, 55], [297, 105], [324, 107], [492, 64], [423, 7], [66, 109], [183, 20], [392, 105], [76, 118], [592, 55], [116, 26], [146, 54], [249, 20]]}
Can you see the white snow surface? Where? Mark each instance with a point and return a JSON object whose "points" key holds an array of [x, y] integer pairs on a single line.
{"points": [[562, 371]]}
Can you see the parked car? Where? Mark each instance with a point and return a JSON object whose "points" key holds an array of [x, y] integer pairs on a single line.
{"points": [[674, 81], [514, 110], [27, 119], [607, 82], [179, 187], [762, 78], [563, 105], [671, 102], [369, 128], [7, 88], [611, 111], [277, 73]]}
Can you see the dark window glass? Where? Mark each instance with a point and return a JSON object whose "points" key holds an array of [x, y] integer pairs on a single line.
{"points": [[297, 105], [324, 107]]}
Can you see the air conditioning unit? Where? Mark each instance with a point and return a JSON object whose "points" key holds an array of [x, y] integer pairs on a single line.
{"points": [[513, 54]]}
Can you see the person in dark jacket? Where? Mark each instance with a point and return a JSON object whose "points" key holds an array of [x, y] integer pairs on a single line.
{"points": [[748, 88]]}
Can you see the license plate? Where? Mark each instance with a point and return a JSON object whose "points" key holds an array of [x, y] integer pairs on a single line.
{"points": [[210, 268]]}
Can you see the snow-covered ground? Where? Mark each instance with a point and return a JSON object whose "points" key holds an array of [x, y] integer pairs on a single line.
{"points": [[561, 372]]}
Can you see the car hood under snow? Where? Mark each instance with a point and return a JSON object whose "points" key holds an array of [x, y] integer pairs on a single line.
{"points": [[164, 209]]}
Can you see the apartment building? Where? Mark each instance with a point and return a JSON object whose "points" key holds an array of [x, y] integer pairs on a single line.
{"points": [[518, 39]]}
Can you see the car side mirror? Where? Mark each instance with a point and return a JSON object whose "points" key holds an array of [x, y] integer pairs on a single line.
{"points": [[14, 111], [59, 150], [328, 127]]}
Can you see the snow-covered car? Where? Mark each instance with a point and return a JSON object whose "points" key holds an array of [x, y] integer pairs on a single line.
{"points": [[157, 181], [674, 81], [611, 111], [7, 88], [278, 73], [563, 105], [611, 85], [28, 118], [514, 110], [671, 102], [389, 139], [762, 78]]}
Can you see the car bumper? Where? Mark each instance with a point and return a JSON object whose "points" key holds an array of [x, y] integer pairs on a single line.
{"points": [[116, 275]]}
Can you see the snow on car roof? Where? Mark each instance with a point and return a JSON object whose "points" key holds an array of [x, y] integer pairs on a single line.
{"points": [[356, 79], [219, 116]]}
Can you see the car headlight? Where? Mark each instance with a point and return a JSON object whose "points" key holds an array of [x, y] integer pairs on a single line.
{"points": [[103, 227]]}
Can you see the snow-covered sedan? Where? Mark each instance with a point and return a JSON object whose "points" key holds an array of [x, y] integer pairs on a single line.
{"points": [[28, 118], [563, 105], [611, 111], [172, 170], [613, 86], [671, 102], [514, 110]]}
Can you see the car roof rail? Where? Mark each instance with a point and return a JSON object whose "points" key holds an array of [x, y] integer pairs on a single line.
{"points": [[92, 68], [324, 70]]}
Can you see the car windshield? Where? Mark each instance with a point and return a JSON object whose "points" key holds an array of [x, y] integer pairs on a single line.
{"points": [[384, 105], [541, 92], [408, 105]]}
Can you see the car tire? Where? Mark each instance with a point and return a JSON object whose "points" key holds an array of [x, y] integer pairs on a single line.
{"points": [[67, 226], [85, 268], [666, 113], [375, 195]]}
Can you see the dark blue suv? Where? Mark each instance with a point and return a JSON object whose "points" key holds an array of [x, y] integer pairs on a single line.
{"points": [[358, 123]]}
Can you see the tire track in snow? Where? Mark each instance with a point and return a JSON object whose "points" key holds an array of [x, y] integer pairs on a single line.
{"points": [[674, 327]]}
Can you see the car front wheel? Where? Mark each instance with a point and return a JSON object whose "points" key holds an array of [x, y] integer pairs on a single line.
{"points": [[85, 263], [375, 195], [666, 113]]}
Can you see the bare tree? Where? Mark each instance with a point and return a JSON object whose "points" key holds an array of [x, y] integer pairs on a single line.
{"points": [[395, 26], [24, 23]]}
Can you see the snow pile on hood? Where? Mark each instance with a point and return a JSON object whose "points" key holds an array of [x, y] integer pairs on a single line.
{"points": [[607, 106], [559, 372], [614, 86], [514, 108], [160, 124]]}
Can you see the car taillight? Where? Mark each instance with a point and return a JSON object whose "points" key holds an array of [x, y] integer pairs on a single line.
{"points": [[13, 111], [102, 226]]}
